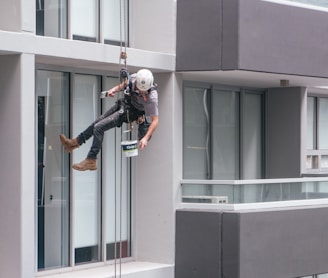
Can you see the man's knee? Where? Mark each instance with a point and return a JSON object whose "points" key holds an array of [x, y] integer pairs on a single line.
{"points": [[98, 129]]}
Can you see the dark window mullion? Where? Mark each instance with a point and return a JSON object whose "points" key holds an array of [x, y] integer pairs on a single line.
{"points": [[316, 123]]}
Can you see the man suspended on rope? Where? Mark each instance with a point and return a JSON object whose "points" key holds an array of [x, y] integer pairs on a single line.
{"points": [[139, 103]]}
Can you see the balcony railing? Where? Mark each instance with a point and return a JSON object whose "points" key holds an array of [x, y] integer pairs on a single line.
{"points": [[276, 192]]}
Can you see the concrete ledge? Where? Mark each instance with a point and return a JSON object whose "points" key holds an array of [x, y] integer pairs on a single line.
{"points": [[129, 270]]}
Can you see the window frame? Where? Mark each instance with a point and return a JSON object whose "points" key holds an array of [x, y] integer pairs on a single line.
{"points": [[210, 87], [314, 157], [104, 258], [99, 23]]}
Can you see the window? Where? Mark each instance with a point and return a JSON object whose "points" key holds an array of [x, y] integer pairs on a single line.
{"points": [[223, 133], [82, 217], [115, 13], [86, 185], [84, 20], [53, 188], [51, 18], [317, 134], [113, 190], [87, 20]]}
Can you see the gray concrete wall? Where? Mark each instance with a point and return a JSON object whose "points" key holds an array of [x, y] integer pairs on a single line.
{"points": [[251, 35], [284, 130], [198, 35], [277, 243], [198, 244], [272, 39]]}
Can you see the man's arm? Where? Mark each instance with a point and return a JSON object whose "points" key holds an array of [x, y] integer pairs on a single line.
{"points": [[116, 89], [154, 124]]}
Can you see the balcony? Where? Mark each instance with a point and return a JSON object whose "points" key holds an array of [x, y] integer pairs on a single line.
{"points": [[247, 194]]}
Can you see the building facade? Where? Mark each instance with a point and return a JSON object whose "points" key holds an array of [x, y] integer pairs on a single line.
{"points": [[232, 184]]}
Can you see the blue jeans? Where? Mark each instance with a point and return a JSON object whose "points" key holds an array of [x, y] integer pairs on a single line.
{"points": [[113, 117]]}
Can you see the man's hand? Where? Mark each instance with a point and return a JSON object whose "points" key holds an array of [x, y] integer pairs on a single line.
{"points": [[143, 143], [111, 92]]}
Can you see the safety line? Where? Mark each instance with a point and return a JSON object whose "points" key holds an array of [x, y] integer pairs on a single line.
{"points": [[122, 56]]}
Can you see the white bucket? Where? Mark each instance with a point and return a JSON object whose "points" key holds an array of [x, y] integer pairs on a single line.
{"points": [[130, 148]]}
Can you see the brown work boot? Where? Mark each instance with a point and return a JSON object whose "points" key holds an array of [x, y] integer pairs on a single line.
{"points": [[86, 164], [69, 144]]}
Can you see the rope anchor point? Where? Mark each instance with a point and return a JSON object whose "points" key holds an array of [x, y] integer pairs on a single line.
{"points": [[123, 55]]}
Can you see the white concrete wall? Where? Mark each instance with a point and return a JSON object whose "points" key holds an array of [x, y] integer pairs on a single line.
{"points": [[10, 15], [28, 164], [17, 15], [17, 171], [10, 189], [152, 25], [158, 167], [28, 15], [157, 179]]}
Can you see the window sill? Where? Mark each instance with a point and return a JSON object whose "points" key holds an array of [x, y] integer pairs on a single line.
{"points": [[129, 270]]}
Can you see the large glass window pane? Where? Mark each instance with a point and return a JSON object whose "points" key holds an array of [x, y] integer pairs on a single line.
{"points": [[225, 135], [84, 20], [115, 21], [216, 145], [117, 232], [51, 18], [252, 149], [196, 134], [311, 119], [86, 185], [323, 124], [53, 177]]}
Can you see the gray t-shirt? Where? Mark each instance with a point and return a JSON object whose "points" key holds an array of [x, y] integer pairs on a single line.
{"points": [[144, 102]]}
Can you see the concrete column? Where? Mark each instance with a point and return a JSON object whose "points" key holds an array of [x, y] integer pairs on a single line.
{"points": [[157, 183], [17, 171]]}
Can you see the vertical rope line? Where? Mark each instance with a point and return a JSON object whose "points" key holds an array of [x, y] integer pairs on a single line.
{"points": [[121, 178], [123, 26], [122, 56], [115, 222], [121, 43], [115, 244], [123, 16]]}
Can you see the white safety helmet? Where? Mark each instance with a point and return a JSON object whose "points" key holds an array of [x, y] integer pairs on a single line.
{"points": [[144, 79]]}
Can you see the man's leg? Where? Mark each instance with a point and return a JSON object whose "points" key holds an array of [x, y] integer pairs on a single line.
{"points": [[71, 144], [99, 128]]}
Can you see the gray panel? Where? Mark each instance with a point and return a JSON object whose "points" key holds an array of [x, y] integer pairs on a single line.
{"points": [[277, 243], [230, 34], [252, 35], [230, 245], [198, 244], [282, 39], [284, 132], [198, 35], [286, 243]]}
